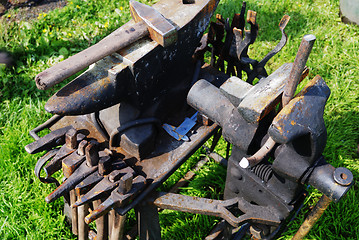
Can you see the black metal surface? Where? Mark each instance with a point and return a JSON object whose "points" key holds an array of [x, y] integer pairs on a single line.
{"points": [[40, 164], [47, 124], [79, 174], [49, 141], [236, 130], [245, 183]]}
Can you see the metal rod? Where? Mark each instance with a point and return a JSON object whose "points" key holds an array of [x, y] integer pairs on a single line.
{"points": [[131, 124], [101, 223], [83, 229], [47, 124], [74, 215], [259, 155], [111, 216], [299, 64], [118, 226], [148, 221], [216, 138], [313, 217]]}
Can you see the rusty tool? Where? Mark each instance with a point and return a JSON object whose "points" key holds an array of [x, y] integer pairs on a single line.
{"points": [[258, 67], [54, 157], [103, 169], [290, 87], [105, 166], [78, 175], [299, 64], [117, 226], [71, 162], [71, 142], [148, 22], [83, 228], [88, 151], [105, 186], [218, 208], [102, 227], [41, 162], [117, 199], [48, 141], [118, 221], [69, 165]]}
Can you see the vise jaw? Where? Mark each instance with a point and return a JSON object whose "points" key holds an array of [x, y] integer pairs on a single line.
{"points": [[300, 130], [248, 118]]}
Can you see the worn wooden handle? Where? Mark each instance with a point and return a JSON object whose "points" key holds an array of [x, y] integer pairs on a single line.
{"points": [[117, 40]]}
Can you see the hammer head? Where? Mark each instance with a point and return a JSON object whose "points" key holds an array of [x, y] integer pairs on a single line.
{"points": [[160, 29]]}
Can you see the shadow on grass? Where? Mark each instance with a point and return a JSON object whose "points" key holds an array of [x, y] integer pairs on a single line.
{"points": [[343, 136]]}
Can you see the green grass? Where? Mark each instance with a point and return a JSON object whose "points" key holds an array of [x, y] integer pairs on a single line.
{"points": [[39, 43]]}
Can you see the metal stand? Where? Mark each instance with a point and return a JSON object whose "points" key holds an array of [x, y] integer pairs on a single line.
{"points": [[148, 221]]}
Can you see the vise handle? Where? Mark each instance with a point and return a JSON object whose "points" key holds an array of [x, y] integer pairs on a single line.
{"points": [[148, 22]]}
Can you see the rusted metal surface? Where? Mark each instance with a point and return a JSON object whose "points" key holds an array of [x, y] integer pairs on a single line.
{"points": [[123, 37], [89, 182], [83, 228], [79, 174], [312, 218], [91, 153], [117, 199], [329, 180], [67, 149], [74, 213], [41, 162], [102, 226], [118, 226], [304, 115], [265, 95], [104, 187], [70, 163], [159, 28], [218, 208]]}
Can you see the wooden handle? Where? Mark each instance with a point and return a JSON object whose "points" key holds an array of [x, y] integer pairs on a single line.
{"points": [[117, 40]]}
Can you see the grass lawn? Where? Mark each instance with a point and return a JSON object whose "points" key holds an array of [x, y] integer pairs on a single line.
{"points": [[53, 36]]}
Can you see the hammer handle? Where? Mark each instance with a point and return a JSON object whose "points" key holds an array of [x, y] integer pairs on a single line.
{"points": [[117, 40], [299, 64]]}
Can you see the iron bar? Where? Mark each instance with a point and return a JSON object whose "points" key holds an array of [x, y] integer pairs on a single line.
{"points": [[313, 217], [299, 64], [101, 223]]}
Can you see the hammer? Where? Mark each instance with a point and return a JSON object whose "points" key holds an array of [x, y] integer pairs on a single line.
{"points": [[148, 22]]}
